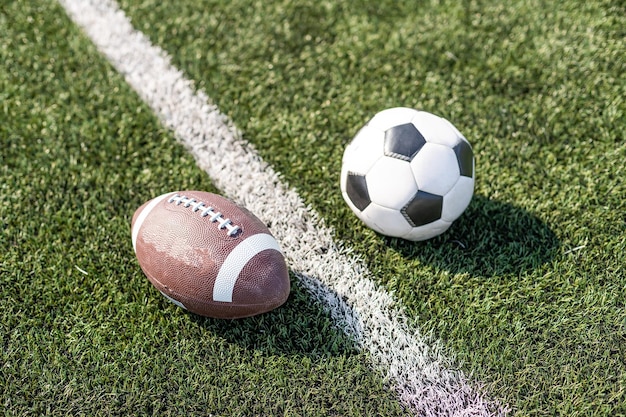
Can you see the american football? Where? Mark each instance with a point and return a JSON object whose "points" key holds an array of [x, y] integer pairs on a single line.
{"points": [[210, 256], [439, 190]]}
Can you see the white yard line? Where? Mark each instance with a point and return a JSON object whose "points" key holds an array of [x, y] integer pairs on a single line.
{"points": [[426, 379]]}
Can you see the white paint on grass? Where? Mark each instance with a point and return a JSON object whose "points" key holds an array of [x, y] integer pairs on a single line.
{"points": [[426, 379]]}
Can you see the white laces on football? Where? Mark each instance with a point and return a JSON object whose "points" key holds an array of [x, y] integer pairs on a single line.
{"points": [[206, 211]]}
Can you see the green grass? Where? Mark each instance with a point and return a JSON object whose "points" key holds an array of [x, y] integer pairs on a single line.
{"points": [[539, 91], [527, 288], [80, 152]]}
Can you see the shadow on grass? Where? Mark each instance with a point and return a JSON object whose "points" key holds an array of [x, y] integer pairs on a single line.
{"points": [[490, 238], [300, 327]]}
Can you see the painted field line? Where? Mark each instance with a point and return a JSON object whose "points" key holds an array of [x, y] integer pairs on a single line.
{"points": [[426, 379]]}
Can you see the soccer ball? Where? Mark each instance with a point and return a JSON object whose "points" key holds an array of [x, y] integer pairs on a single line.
{"points": [[408, 174]]}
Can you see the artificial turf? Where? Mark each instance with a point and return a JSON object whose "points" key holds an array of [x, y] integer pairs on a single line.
{"points": [[526, 289], [82, 330]]}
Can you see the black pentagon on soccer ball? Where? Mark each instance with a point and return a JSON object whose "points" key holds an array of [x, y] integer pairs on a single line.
{"points": [[403, 141], [424, 208], [465, 157], [356, 188]]}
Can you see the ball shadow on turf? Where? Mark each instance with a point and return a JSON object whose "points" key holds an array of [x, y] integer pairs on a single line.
{"points": [[302, 326], [490, 238]]}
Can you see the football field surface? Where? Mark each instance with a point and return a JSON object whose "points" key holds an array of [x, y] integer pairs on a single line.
{"points": [[518, 307]]}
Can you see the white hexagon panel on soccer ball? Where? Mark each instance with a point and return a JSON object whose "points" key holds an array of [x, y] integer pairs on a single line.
{"points": [[390, 183], [364, 150], [436, 129], [453, 127], [389, 118], [389, 222], [435, 168], [457, 199], [428, 231]]}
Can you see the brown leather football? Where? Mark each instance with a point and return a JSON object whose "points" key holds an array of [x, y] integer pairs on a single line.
{"points": [[209, 255]]}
